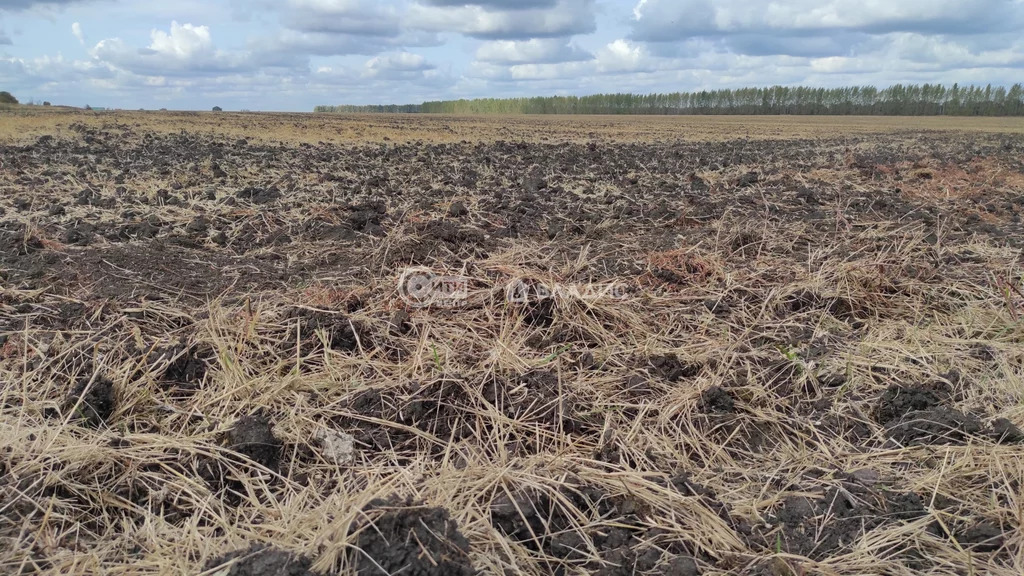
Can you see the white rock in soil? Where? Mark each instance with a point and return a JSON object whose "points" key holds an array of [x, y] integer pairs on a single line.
{"points": [[337, 447]]}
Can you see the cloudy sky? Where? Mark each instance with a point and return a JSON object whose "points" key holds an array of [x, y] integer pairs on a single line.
{"points": [[295, 54]]}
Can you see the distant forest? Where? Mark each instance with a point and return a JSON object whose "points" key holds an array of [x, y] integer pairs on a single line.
{"points": [[898, 100]]}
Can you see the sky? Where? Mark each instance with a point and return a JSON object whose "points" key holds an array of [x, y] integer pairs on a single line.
{"points": [[292, 55]]}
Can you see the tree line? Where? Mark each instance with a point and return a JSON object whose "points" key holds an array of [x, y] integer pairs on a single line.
{"points": [[372, 109], [897, 100]]}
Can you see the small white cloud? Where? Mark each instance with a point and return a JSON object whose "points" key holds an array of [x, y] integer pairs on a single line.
{"points": [[535, 50], [623, 56], [638, 10], [76, 29], [183, 41], [402, 61]]}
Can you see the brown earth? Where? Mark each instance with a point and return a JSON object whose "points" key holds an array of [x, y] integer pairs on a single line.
{"points": [[811, 361]]}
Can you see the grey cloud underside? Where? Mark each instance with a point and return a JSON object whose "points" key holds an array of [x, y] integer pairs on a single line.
{"points": [[768, 44], [401, 63], [356, 19], [560, 18], [362, 28], [510, 33], [353, 26], [495, 4], [803, 46], [668, 32], [295, 43], [24, 4], [148, 62], [383, 26], [675, 20], [514, 28]]}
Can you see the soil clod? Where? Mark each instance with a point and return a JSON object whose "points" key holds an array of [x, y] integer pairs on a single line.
{"points": [[402, 537], [93, 400], [260, 560], [253, 437]]}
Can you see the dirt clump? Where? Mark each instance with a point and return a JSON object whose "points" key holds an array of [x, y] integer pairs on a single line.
{"points": [[898, 401], [400, 323], [253, 437], [80, 234], [186, 366], [681, 566], [93, 401], [249, 441], [16, 240], [1006, 432], [938, 425], [716, 400], [319, 328], [671, 368], [402, 537], [458, 209], [920, 416], [543, 520], [440, 240], [984, 536], [367, 218], [259, 560], [537, 397], [441, 408], [818, 528], [258, 195]]}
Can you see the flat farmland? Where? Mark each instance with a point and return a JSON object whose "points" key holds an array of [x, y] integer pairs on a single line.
{"points": [[25, 124], [280, 344]]}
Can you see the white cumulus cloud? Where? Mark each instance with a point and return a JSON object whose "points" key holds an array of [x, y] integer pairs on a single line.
{"points": [[530, 51], [76, 30], [184, 41]]}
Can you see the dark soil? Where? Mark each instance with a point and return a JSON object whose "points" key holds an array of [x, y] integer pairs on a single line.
{"points": [[916, 416], [939, 425], [757, 270], [1006, 432], [446, 409], [261, 561], [93, 400], [335, 330], [258, 195], [251, 441], [845, 513], [899, 401], [404, 538], [253, 437], [672, 368], [983, 537], [541, 523], [537, 397], [186, 366], [716, 399]]}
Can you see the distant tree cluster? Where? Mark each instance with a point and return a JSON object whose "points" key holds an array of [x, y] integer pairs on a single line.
{"points": [[7, 98], [897, 100], [372, 109]]}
